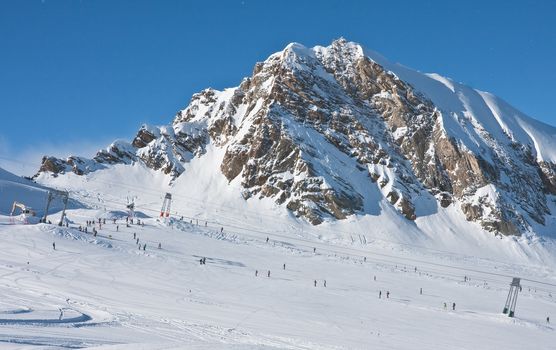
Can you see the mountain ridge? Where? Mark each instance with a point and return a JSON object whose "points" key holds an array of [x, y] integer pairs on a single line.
{"points": [[330, 131]]}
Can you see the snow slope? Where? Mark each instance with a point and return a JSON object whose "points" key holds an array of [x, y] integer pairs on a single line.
{"points": [[15, 188], [105, 293], [204, 195]]}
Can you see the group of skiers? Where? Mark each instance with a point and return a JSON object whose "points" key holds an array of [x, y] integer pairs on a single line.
{"points": [[315, 283], [257, 273], [284, 268]]}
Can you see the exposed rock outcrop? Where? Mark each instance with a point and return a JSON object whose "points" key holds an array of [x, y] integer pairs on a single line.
{"points": [[315, 129]]}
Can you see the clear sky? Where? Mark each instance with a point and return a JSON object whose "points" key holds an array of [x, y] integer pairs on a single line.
{"points": [[75, 75]]}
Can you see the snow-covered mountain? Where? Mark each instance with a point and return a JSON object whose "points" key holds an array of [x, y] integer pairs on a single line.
{"points": [[333, 132]]}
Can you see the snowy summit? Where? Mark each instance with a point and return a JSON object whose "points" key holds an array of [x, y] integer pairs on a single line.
{"points": [[336, 132]]}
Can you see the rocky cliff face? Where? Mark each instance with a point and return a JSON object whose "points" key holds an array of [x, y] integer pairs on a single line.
{"points": [[328, 131]]}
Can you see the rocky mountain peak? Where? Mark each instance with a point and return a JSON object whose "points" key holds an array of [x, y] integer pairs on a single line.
{"points": [[330, 132]]}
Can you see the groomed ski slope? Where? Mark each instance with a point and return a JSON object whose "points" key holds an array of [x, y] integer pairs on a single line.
{"points": [[115, 296]]}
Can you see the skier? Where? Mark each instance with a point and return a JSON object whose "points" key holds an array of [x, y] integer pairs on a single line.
{"points": [[421, 291], [204, 261], [445, 306], [380, 294], [547, 319], [454, 306], [159, 245], [201, 261], [364, 259], [415, 268], [134, 235], [54, 245], [315, 283], [268, 274], [206, 223], [375, 278], [117, 228], [61, 314], [256, 273], [314, 250], [145, 246], [266, 239], [324, 283], [284, 266], [137, 240], [387, 294], [221, 229]]}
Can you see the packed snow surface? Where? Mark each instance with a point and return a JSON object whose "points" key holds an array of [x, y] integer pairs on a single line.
{"points": [[106, 292], [257, 289]]}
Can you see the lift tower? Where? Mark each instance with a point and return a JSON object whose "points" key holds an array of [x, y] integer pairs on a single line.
{"points": [[511, 300], [51, 195], [165, 211]]}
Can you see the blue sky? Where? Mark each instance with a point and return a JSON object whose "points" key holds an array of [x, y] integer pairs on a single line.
{"points": [[74, 75]]}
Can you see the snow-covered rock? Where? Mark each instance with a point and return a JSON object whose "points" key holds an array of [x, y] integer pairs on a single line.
{"points": [[328, 131]]}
